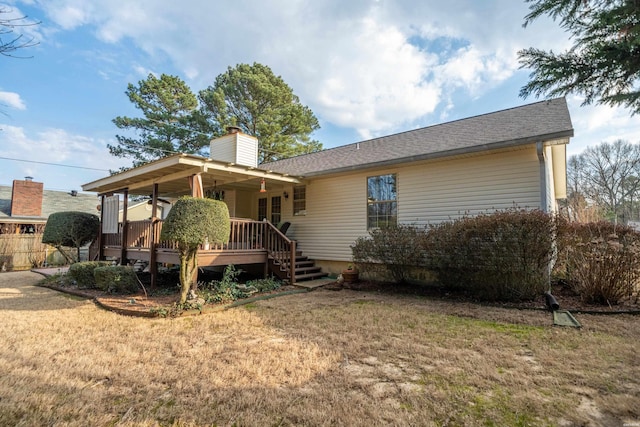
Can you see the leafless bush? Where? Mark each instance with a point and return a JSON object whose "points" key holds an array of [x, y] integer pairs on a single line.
{"points": [[600, 261]]}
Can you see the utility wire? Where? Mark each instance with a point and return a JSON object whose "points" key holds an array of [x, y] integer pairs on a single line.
{"points": [[54, 164]]}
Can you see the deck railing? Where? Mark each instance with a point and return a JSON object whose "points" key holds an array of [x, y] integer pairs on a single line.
{"points": [[245, 235]]}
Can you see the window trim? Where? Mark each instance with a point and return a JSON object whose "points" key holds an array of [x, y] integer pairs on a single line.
{"points": [[374, 202]]}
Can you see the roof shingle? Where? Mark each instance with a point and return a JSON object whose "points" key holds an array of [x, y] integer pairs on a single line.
{"points": [[545, 120]]}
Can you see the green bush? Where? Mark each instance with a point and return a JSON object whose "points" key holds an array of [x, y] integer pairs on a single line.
{"points": [[116, 279], [600, 261], [191, 220], [82, 273], [71, 229], [503, 256], [391, 252], [264, 285], [227, 289]]}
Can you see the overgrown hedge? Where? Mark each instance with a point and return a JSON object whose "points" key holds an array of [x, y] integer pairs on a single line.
{"points": [[506, 255], [502, 256], [391, 252], [600, 261]]}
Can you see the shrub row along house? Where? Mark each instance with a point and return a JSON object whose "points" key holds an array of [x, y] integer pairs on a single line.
{"points": [[510, 158], [24, 209]]}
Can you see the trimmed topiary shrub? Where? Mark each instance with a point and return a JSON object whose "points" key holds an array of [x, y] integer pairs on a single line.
{"points": [[71, 229], [600, 261], [82, 273], [190, 222], [116, 279], [503, 256], [390, 252]]}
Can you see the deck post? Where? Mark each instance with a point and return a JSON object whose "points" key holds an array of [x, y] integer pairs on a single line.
{"points": [[153, 265], [123, 248], [292, 264]]}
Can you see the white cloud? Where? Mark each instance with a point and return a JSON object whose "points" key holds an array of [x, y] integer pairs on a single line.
{"points": [[371, 66], [594, 124], [53, 146], [12, 100]]}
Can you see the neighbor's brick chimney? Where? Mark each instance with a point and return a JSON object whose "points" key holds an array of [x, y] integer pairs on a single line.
{"points": [[26, 198]]}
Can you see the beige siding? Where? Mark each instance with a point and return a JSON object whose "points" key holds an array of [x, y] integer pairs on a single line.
{"points": [[230, 201], [247, 150], [429, 192], [244, 204], [235, 148]]}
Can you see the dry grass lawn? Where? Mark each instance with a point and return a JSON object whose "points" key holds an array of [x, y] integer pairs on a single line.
{"points": [[321, 358]]}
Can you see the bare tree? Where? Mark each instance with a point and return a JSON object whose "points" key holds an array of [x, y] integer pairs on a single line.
{"points": [[608, 175], [10, 39]]}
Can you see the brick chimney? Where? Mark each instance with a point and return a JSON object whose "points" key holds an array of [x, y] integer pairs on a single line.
{"points": [[26, 198]]}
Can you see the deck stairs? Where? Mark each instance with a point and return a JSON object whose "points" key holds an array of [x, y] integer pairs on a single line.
{"points": [[305, 268]]}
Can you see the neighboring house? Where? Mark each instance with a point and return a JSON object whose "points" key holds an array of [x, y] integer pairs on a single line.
{"points": [[24, 209], [141, 210], [510, 158], [25, 206]]}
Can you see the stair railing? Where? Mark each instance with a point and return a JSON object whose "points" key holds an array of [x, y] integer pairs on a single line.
{"points": [[281, 249]]}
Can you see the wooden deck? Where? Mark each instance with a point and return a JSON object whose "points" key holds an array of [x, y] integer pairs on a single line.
{"points": [[250, 242]]}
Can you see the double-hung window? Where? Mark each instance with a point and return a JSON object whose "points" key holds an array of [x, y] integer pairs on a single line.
{"points": [[299, 200], [382, 204]]}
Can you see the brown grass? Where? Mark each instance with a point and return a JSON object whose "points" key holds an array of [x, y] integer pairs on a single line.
{"points": [[322, 358]]}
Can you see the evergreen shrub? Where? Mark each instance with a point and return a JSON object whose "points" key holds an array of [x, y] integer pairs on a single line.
{"points": [[116, 279], [82, 273]]}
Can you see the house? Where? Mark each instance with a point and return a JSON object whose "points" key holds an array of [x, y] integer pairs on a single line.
{"points": [[26, 205], [24, 209], [514, 157]]}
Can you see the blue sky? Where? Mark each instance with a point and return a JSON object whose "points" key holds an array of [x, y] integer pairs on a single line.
{"points": [[365, 67]]}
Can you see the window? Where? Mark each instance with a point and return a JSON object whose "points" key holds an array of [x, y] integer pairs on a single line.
{"points": [[276, 210], [382, 204], [300, 200], [262, 208]]}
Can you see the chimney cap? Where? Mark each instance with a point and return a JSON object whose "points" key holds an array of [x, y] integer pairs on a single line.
{"points": [[28, 178], [233, 129]]}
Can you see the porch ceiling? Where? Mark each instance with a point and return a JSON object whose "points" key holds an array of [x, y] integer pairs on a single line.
{"points": [[172, 173]]}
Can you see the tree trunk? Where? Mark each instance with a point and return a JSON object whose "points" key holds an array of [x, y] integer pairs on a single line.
{"points": [[188, 273], [185, 279]]}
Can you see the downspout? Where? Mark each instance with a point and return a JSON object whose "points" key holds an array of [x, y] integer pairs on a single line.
{"points": [[544, 206], [543, 177]]}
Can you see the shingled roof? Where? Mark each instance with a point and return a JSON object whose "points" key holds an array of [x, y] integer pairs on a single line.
{"points": [[52, 201], [540, 121]]}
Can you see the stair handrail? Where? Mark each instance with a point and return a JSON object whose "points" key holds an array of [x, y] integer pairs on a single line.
{"points": [[280, 248]]}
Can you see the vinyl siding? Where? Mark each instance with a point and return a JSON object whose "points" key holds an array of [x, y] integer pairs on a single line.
{"points": [[428, 192]]}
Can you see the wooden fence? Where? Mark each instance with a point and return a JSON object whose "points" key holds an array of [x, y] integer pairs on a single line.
{"points": [[25, 251]]}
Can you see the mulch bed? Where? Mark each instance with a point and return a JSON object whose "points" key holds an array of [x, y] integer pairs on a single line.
{"points": [[142, 305]]}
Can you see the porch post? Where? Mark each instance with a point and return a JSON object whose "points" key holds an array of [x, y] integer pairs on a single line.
{"points": [[100, 236], [123, 248], [153, 265], [292, 264]]}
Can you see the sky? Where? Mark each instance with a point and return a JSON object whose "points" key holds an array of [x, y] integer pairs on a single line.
{"points": [[366, 68]]}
